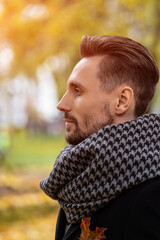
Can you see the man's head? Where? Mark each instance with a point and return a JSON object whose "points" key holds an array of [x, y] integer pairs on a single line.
{"points": [[114, 82]]}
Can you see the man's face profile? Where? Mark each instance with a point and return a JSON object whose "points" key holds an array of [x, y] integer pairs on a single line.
{"points": [[86, 107]]}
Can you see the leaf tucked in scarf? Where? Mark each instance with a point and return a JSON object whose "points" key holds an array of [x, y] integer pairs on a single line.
{"points": [[87, 234]]}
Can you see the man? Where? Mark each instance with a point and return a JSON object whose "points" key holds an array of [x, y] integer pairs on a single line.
{"points": [[110, 170]]}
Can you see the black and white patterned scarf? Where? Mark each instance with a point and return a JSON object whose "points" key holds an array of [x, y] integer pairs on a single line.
{"points": [[117, 157]]}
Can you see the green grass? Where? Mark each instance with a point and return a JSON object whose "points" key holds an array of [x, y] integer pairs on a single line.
{"points": [[26, 212], [34, 151]]}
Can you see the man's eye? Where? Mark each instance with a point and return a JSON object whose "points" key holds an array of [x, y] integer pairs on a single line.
{"points": [[77, 90]]}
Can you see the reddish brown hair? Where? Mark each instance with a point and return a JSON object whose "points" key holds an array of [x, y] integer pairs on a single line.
{"points": [[124, 61]]}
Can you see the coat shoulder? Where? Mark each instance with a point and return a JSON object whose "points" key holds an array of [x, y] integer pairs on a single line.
{"points": [[134, 214], [143, 220]]}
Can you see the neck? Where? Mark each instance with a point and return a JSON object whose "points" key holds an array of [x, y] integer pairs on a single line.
{"points": [[122, 119]]}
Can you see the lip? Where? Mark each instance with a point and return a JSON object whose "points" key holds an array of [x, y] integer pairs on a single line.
{"points": [[68, 120], [68, 123]]}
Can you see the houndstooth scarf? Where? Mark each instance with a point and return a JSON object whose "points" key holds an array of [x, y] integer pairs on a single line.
{"points": [[117, 157]]}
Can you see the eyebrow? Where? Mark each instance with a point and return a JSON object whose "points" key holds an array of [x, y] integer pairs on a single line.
{"points": [[76, 83]]}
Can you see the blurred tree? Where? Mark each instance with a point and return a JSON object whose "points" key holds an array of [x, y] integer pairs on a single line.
{"points": [[45, 31]]}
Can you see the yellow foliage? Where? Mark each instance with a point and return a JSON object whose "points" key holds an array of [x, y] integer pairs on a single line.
{"points": [[36, 29], [26, 212]]}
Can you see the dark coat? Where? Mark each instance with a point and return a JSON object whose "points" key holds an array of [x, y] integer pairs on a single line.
{"points": [[133, 215]]}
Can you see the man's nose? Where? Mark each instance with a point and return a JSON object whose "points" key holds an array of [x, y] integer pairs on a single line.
{"points": [[63, 104]]}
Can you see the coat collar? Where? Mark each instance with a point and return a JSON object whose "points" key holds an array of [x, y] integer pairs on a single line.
{"points": [[61, 225]]}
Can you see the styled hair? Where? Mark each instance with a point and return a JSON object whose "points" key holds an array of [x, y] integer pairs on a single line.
{"points": [[123, 61]]}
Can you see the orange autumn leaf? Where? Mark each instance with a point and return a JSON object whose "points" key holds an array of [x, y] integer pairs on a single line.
{"points": [[87, 234]]}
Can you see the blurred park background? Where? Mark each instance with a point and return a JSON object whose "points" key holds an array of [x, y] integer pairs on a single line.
{"points": [[39, 45]]}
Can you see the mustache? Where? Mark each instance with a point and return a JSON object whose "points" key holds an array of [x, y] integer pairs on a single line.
{"points": [[70, 117]]}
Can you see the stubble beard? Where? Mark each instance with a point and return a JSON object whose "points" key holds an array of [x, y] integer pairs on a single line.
{"points": [[90, 126]]}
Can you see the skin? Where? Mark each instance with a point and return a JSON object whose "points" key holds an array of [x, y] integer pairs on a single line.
{"points": [[87, 107]]}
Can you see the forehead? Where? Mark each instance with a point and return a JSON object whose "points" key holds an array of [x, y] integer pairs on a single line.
{"points": [[85, 71]]}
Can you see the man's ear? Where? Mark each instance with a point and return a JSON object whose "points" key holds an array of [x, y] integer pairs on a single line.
{"points": [[125, 100]]}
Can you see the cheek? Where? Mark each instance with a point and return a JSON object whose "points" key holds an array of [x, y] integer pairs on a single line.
{"points": [[88, 106]]}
